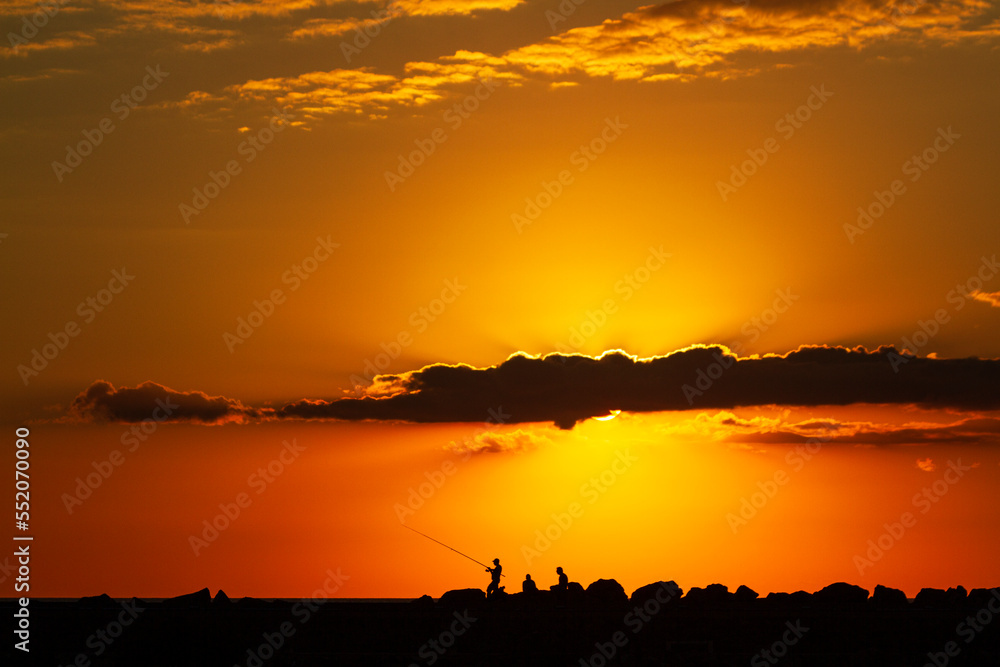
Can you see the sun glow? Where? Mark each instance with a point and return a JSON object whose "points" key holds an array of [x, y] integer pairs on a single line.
{"points": [[608, 417]]}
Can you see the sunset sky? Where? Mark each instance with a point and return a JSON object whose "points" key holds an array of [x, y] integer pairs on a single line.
{"points": [[702, 291]]}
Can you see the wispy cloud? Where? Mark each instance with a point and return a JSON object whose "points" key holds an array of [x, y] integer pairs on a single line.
{"points": [[499, 442], [991, 298]]}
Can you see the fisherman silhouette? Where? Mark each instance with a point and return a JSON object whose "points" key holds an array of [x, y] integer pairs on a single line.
{"points": [[528, 585], [495, 572]]}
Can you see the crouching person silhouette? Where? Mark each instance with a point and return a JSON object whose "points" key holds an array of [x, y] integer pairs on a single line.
{"points": [[495, 572]]}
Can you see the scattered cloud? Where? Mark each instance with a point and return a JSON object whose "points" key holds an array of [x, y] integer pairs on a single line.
{"points": [[102, 402], [497, 442], [991, 298], [676, 41], [927, 465], [977, 430]]}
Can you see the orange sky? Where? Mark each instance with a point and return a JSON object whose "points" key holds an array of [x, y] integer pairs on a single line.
{"points": [[471, 180]]}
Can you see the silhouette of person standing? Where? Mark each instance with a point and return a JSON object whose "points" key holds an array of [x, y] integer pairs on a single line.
{"points": [[528, 585], [495, 572]]}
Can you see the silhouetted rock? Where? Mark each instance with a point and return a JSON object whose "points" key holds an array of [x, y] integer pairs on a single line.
{"points": [[933, 598], [888, 598], [222, 599], [98, 601], [463, 598], [713, 595], [575, 595], [798, 598], [657, 628], [981, 597], [423, 602], [955, 597], [201, 598], [841, 594], [745, 594], [606, 593], [662, 591]]}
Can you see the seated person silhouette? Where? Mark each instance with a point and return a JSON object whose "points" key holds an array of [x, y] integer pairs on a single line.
{"points": [[528, 585], [563, 584], [494, 586]]}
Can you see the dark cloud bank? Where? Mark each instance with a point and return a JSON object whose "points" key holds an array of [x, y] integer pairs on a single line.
{"points": [[565, 389]]}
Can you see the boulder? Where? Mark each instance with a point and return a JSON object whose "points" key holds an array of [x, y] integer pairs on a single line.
{"points": [[955, 597], [889, 598], [712, 596], [463, 598], [661, 591], [606, 593], [841, 594], [933, 598]]}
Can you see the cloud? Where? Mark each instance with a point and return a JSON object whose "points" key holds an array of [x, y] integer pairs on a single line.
{"points": [[679, 38], [991, 298], [335, 27], [565, 389], [495, 442], [359, 92], [101, 402], [927, 465], [676, 41], [445, 7], [978, 431]]}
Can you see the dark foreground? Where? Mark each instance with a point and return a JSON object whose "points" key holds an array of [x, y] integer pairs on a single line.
{"points": [[657, 625]]}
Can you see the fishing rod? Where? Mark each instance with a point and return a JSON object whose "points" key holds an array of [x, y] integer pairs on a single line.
{"points": [[453, 549]]}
